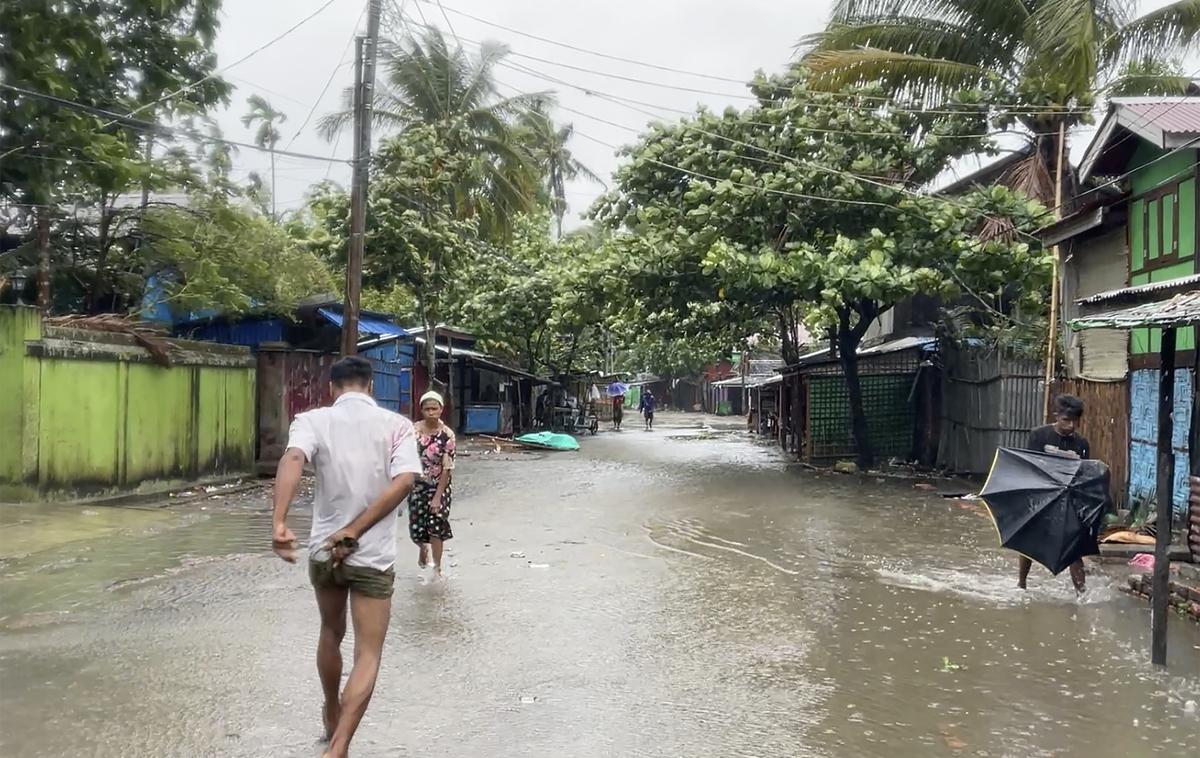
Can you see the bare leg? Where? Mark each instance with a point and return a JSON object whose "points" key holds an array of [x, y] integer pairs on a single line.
{"points": [[1078, 577], [423, 555], [436, 544], [370, 616], [1023, 566], [332, 604]]}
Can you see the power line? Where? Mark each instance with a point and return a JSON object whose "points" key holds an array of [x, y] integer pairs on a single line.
{"points": [[629, 103], [239, 61], [617, 100], [882, 100], [596, 53], [818, 97], [151, 128], [332, 75]]}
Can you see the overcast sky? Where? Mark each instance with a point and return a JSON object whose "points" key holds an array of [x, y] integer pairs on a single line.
{"points": [[720, 38]]}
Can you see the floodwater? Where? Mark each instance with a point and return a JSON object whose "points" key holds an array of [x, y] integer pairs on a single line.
{"points": [[674, 593]]}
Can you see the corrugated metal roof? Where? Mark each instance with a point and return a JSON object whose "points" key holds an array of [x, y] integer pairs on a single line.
{"points": [[1173, 115], [895, 346], [366, 324], [1180, 310], [1183, 282]]}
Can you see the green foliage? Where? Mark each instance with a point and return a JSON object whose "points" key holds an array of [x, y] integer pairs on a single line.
{"points": [[803, 210], [215, 253], [1047, 60], [73, 171], [427, 82], [538, 300], [116, 56]]}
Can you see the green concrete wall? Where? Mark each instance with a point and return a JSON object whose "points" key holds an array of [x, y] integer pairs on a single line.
{"points": [[95, 416], [1150, 244]]}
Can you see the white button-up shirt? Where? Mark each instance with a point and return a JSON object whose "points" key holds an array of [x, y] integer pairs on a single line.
{"points": [[357, 448]]}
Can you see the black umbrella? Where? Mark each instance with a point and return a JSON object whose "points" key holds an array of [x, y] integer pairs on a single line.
{"points": [[1047, 507]]}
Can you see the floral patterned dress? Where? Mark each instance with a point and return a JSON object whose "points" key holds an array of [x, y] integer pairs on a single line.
{"points": [[436, 452]]}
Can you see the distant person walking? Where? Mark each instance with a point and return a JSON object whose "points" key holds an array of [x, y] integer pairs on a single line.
{"points": [[366, 461], [646, 406], [429, 504], [1059, 438], [616, 394]]}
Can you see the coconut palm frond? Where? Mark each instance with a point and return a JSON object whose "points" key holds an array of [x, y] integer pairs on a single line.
{"points": [[930, 79], [1031, 176], [1170, 30], [929, 38]]}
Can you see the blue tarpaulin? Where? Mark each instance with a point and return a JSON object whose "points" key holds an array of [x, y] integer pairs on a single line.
{"points": [[366, 324]]}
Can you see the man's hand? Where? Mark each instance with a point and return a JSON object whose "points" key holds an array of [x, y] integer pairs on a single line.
{"points": [[341, 544], [435, 507], [283, 542]]}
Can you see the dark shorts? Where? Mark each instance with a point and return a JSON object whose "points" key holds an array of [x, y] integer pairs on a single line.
{"points": [[365, 581]]}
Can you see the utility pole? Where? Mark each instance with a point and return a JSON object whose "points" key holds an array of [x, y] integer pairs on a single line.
{"points": [[366, 49], [1056, 283]]}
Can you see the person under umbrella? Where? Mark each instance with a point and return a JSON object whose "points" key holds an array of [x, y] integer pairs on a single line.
{"points": [[1048, 504], [1059, 438]]}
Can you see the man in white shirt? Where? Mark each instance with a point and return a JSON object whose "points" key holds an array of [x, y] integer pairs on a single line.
{"points": [[366, 461]]}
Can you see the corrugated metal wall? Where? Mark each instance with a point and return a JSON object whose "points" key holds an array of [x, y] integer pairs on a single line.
{"points": [[989, 400]]}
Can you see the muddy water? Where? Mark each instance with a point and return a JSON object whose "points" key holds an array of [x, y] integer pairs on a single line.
{"points": [[673, 593]]}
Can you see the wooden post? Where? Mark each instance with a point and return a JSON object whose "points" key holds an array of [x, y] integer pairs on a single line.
{"points": [[1055, 284], [1166, 480], [358, 219], [364, 97]]}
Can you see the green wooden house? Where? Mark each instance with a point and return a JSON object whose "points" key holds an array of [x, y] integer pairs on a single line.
{"points": [[1134, 223]]}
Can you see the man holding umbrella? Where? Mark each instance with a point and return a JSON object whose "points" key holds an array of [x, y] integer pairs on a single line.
{"points": [[1059, 438]]}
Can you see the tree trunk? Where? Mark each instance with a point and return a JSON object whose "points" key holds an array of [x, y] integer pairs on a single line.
{"points": [[848, 356], [43, 244], [430, 344], [274, 215], [848, 339]]}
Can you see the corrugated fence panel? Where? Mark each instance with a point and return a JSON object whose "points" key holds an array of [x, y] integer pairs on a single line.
{"points": [[988, 401]]}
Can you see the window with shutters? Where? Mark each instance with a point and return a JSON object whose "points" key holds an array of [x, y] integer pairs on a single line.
{"points": [[1160, 238]]}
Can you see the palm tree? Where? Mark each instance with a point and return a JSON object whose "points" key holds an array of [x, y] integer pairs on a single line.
{"points": [[1048, 60], [547, 145], [267, 135], [427, 81]]}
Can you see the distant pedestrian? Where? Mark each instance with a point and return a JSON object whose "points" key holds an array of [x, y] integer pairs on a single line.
{"points": [[616, 395], [366, 461], [429, 504], [646, 406], [1059, 438]]}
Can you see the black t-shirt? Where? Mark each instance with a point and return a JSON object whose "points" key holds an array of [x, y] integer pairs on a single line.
{"points": [[1047, 435]]}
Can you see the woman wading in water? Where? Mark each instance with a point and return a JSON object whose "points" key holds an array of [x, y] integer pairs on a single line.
{"points": [[429, 504]]}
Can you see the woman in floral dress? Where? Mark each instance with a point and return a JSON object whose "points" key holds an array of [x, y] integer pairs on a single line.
{"points": [[429, 503]]}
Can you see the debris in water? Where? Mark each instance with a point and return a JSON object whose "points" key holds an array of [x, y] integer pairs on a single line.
{"points": [[948, 666], [924, 487], [846, 467], [539, 565], [516, 554], [528, 699]]}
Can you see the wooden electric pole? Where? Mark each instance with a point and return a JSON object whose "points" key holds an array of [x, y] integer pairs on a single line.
{"points": [[366, 49], [1056, 283]]}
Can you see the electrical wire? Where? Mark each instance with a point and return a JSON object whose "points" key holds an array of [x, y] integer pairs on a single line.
{"points": [[332, 75], [213, 74], [1014, 108], [157, 129]]}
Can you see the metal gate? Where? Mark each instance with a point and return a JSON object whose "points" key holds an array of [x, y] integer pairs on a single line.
{"points": [[393, 386]]}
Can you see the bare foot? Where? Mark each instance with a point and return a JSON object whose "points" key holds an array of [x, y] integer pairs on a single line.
{"points": [[330, 714]]}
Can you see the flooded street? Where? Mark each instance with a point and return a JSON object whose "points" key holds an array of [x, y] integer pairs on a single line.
{"points": [[675, 593]]}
